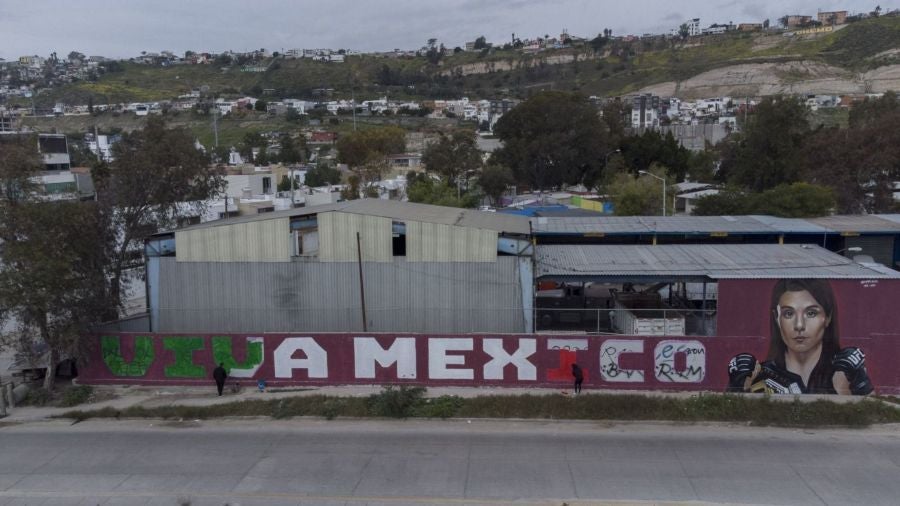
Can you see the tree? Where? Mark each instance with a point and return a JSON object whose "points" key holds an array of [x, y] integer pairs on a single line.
{"points": [[291, 150], [260, 105], [19, 163], [797, 200], [155, 171], [292, 115], [860, 162], [285, 184], [702, 166], [730, 201], [494, 181], [480, 43], [642, 196], [52, 280], [262, 157], [434, 53], [252, 139], [358, 147], [75, 55], [220, 154], [642, 151], [769, 150], [453, 157], [551, 139], [322, 175], [425, 190], [598, 42], [684, 31], [613, 114]]}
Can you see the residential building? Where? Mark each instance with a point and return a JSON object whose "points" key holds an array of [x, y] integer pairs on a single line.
{"points": [[831, 18], [645, 111], [405, 161], [797, 20], [693, 27]]}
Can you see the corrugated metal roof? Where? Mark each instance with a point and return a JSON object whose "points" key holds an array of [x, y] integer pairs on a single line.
{"points": [[750, 224], [715, 261], [858, 223], [439, 214], [650, 225], [790, 225], [894, 218], [401, 211]]}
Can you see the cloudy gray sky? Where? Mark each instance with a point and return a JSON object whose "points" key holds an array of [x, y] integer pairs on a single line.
{"points": [[124, 28]]}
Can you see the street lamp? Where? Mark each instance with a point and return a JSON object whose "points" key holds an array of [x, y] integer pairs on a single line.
{"points": [[606, 158], [645, 173]]}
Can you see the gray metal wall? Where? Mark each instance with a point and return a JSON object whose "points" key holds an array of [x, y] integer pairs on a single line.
{"points": [[311, 296]]}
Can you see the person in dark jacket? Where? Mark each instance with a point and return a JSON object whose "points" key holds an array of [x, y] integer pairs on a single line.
{"points": [[219, 374], [579, 377]]}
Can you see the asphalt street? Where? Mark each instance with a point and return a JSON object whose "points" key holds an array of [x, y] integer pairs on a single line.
{"points": [[265, 462]]}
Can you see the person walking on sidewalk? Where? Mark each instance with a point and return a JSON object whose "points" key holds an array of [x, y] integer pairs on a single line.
{"points": [[219, 374], [579, 377]]}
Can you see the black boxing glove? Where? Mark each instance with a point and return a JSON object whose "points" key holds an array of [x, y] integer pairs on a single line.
{"points": [[852, 362], [772, 380], [740, 367]]}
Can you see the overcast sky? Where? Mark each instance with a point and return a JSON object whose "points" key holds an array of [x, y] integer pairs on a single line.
{"points": [[124, 28]]}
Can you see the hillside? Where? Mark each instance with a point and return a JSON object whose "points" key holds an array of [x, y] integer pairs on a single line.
{"points": [[860, 57]]}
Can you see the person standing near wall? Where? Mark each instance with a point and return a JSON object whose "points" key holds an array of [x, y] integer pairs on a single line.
{"points": [[578, 374], [219, 374]]}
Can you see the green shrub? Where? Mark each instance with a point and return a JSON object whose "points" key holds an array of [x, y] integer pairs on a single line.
{"points": [[445, 406], [396, 402], [76, 395], [331, 408], [37, 397]]}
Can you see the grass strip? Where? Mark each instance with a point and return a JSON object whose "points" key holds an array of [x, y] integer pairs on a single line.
{"points": [[411, 402]]}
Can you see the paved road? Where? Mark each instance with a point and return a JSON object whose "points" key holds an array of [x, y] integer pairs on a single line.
{"points": [[425, 462]]}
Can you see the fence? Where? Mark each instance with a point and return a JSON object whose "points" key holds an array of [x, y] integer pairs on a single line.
{"points": [[636, 322]]}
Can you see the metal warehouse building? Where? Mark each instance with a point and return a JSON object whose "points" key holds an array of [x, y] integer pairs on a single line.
{"points": [[878, 236], [421, 268]]}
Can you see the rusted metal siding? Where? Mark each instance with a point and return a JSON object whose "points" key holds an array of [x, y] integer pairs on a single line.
{"points": [[256, 241], [337, 237], [310, 296], [434, 242]]}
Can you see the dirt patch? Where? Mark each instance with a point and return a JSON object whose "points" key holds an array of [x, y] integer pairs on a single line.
{"points": [[764, 42], [797, 77]]}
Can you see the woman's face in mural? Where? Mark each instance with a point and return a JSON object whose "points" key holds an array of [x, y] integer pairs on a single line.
{"points": [[802, 321]]}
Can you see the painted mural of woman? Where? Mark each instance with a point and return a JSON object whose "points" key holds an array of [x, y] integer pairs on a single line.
{"points": [[804, 355]]}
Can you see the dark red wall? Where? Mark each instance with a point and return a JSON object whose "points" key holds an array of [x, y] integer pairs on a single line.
{"points": [[551, 366]]}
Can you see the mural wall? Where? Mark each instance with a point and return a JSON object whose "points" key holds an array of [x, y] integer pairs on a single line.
{"points": [[787, 336], [619, 362], [821, 336]]}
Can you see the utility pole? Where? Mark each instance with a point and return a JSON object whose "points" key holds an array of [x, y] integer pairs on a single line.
{"points": [[353, 99], [216, 125], [292, 186], [362, 288]]}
